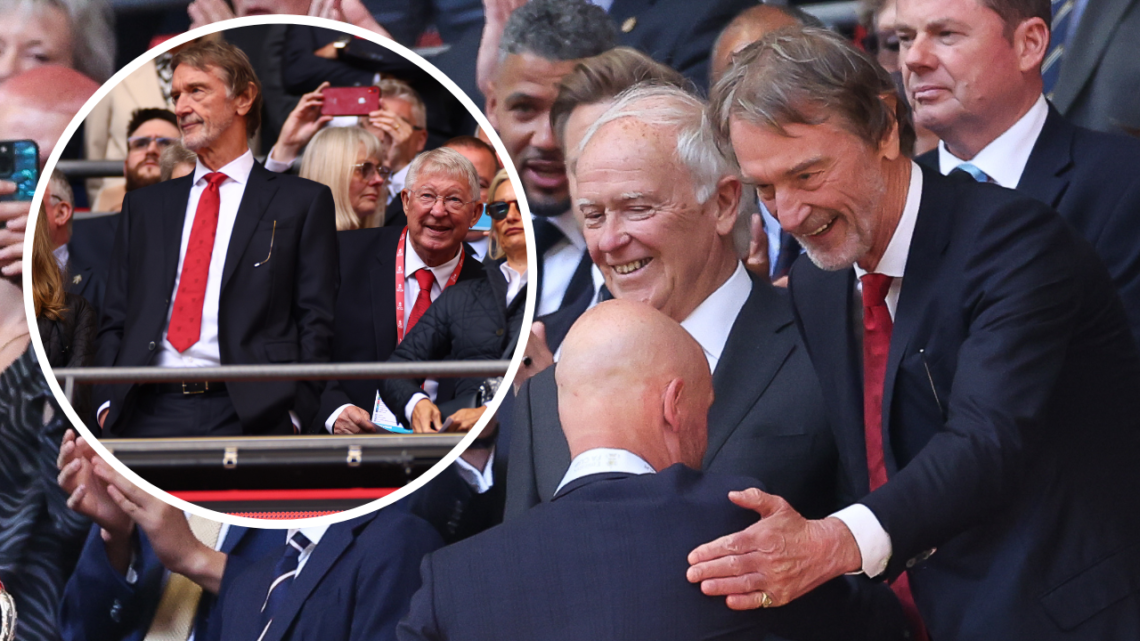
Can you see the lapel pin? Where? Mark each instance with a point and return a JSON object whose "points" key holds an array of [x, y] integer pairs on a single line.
{"points": [[629, 24], [78, 279]]}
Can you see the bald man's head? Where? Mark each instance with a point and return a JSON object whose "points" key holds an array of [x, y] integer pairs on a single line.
{"points": [[631, 378], [749, 26], [39, 104]]}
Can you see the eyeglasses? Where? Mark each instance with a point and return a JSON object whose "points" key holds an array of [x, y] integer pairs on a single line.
{"points": [[369, 169], [498, 210], [138, 143], [453, 204]]}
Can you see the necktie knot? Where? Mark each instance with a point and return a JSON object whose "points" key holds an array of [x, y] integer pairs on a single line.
{"points": [[425, 278], [215, 179], [875, 288], [975, 173], [298, 543]]}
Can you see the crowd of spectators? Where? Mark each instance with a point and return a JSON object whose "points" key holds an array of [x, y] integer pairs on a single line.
{"points": [[678, 159]]}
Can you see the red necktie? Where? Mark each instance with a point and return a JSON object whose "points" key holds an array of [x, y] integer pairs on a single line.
{"points": [[877, 325], [426, 279], [186, 320]]}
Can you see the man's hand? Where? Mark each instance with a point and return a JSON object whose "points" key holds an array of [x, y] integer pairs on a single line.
{"points": [[426, 418], [87, 495], [757, 260], [302, 124], [464, 419], [353, 420], [103, 417], [204, 12], [536, 356], [13, 223], [351, 11], [167, 530], [394, 127], [495, 14], [776, 560]]}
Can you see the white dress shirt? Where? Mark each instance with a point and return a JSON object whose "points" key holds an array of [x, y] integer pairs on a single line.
{"points": [[560, 263], [515, 281], [1004, 159], [605, 459], [396, 182], [314, 535], [412, 264], [873, 541], [62, 256], [205, 352]]}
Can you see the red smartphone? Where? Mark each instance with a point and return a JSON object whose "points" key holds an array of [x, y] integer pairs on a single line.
{"points": [[350, 101]]}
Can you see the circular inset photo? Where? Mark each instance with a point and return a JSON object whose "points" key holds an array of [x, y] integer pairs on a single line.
{"points": [[285, 280]]}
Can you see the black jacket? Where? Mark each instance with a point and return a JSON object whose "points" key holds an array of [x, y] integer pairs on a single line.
{"points": [[469, 321], [70, 342]]}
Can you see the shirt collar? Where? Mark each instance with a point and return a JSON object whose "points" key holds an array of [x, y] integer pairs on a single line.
{"points": [[511, 275], [568, 225], [313, 533], [893, 262], [712, 320], [62, 255], [413, 263], [237, 170], [397, 180], [1004, 159], [605, 459]]}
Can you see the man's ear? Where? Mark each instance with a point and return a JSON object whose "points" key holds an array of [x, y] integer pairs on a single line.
{"points": [[1031, 43], [889, 145], [491, 105], [62, 214], [671, 405], [244, 101], [727, 200]]}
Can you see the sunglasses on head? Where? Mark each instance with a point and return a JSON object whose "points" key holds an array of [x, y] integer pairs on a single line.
{"points": [[498, 210]]}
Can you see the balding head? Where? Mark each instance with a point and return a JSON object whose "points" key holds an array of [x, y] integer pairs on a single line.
{"points": [[749, 26], [631, 378], [39, 104]]}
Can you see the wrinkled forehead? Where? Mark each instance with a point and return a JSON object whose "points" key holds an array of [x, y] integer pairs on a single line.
{"points": [[187, 73]]}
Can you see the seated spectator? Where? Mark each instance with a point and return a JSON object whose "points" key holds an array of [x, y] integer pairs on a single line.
{"points": [[79, 35], [605, 559], [176, 161], [149, 132], [350, 161], [474, 319]]}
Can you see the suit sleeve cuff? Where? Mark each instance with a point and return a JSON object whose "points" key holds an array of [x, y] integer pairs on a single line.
{"points": [[479, 480], [416, 398], [105, 406], [335, 415], [873, 541]]}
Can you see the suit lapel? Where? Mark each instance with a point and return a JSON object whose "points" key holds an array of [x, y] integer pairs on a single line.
{"points": [[334, 544], [1045, 175], [931, 237], [1092, 36], [259, 191], [173, 218], [755, 350], [233, 536]]}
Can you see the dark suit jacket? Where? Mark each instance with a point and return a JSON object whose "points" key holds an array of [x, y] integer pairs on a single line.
{"points": [[99, 604], [606, 559], [767, 420], [365, 327], [1009, 420], [88, 252], [355, 587], [1092, 179], [280, 312], [1099, 85]]}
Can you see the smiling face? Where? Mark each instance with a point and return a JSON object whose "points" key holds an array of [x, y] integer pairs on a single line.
{"points": [[436, 229], [365, 185], [205, 111], [34, 36], [509, 231], [824, 184], [643, 225], [141, 166], [518, 107]]}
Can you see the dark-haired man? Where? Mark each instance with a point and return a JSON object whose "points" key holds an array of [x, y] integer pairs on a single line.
{"points": [[231, 265]]}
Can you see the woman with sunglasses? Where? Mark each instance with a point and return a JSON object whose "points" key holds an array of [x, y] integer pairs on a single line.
{"points": [[347, 159], [471, 320]]}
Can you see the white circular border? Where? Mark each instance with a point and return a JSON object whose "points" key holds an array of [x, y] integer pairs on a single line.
{"points": [[120, 467]]}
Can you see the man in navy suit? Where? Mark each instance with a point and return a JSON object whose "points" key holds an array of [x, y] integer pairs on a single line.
{"points": [[991, 426], [605, 559], [981, 94]]}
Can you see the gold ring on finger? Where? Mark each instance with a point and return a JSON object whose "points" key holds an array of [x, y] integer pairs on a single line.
{"points": [[765, 600]]}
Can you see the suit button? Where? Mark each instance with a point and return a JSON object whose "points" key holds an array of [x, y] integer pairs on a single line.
{"points": [[499, 332], [116, 611], [910, 563], [151, 346]]}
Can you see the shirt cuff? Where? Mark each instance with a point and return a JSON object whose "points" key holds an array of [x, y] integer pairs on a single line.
{"points": [[274, 165], [479, 480], [873, 541], [296, 421], [332, 417], [105, 406], [416, 398]]}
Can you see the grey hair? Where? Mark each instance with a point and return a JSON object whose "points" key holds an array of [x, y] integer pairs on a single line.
{"points": [[447, 161], [61, 188], [558, 30], [92, 32], [394, 88]]}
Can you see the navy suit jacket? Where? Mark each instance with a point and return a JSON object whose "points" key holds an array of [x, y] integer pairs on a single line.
{"points": [[1092, 179], [355, 587], [1010, 412], [606, 559], [276, 312], [767, 420], [365, 325], [99, 604]]}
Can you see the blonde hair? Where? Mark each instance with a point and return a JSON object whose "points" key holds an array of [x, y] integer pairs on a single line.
{"points": [[329, 160], [494, 247], [48, 295]]}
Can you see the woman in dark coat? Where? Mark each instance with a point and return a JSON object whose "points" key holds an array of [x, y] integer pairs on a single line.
{"points": [[473, 320]]}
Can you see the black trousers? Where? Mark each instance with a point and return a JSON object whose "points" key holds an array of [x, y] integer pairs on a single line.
{"points": [[167, 415]]}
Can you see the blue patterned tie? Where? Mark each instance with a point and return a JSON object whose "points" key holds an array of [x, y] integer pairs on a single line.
{"points": [[1051, 67], [284, 572], [975, 173]]}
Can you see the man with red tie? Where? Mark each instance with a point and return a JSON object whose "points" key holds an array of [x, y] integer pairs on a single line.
{"points": [[231, 265], [392, 275], [985, 404]]}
